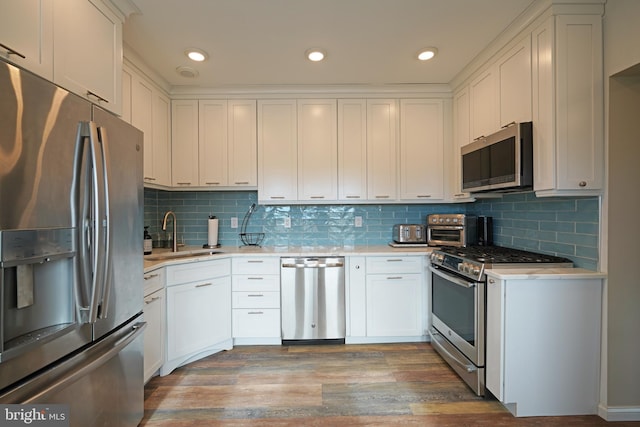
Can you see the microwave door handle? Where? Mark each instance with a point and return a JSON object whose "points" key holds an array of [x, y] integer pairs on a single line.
{"points": [[453, 279]]}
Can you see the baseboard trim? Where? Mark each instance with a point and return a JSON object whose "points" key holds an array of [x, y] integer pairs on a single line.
{"points": [[619, 413]]}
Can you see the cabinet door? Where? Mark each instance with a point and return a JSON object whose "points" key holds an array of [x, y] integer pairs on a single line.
{"points": [[277, 151], [382, 138], [184, 143], [421, 149], [154, 314], [356, 297], [198, 316], [142, 118], [317, 150], [242, 147], [161, 139], [495, 338], [461, 137], [483, 96], [568, 106], [394, 305], [352, 149], [26, 31], [212, 143], [88, 51], [514, 84], [127, 82]]}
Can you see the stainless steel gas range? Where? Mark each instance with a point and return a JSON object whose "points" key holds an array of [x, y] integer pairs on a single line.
{"points": [[458, 302]]}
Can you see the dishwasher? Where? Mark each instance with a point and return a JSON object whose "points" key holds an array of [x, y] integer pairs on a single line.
{"points": [[313, 301]]}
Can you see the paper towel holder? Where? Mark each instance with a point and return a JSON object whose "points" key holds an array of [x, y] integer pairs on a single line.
{"points": [[207, 245]]}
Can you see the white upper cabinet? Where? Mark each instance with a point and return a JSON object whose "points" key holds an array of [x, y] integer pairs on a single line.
{"points": [[184, 143], [352, 149], [87, 39], [26, 35], [317, 150], [421, 149], [514, 84], [277, 151], [461, 137], [212, 142], [161, 144], [484, 104], [568, 106], [148, 108], [382, 136], [242, 148]]}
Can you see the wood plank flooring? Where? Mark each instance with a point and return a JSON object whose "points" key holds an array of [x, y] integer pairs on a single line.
{"points": [[328, 385]]}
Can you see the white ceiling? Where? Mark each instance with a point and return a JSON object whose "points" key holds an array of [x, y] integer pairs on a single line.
{"points": [[262, 42]]}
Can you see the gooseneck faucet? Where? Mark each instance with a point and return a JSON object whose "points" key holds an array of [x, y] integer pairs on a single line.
{"points": [[175, 229]]}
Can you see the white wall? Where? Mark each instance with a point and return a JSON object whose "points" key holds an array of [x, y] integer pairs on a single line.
{"points": [[621, 372]]}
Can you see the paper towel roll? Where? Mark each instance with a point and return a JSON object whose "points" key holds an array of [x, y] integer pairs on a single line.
{"points": [[213, 232]]}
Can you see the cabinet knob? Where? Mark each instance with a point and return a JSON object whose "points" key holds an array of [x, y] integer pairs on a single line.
{"points": [[583, 183]]}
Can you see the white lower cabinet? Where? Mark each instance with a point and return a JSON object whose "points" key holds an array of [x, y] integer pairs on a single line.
{"points": [[256, 300], [154, 316], [386, 299], [198, 311], [543, 344]]}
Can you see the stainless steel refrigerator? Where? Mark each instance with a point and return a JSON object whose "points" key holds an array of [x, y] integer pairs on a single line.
{"points": [[70, 254]]}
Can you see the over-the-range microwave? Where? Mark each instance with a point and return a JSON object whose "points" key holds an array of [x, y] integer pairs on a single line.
{"points": [[500, 162]]}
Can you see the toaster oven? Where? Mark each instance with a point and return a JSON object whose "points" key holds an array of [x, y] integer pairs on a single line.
{"points": [[451, 230]]}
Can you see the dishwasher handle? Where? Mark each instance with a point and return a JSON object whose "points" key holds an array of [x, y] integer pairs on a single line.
{"points": [[313, 262]]}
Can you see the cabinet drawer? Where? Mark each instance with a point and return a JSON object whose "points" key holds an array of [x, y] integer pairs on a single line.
{"points": [[394, 264], [256, 282], [256, 300], [256, 323], [153, 281], [256, 265], [195, 271]]}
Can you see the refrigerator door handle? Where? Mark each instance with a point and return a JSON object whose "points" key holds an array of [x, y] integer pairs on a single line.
{"points": [[104, 166], [90, 211]]}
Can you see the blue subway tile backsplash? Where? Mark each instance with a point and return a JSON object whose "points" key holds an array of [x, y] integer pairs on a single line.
{"points": [[564, 226]]}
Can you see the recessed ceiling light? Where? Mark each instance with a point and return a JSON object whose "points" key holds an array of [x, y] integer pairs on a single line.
{"points": [[315, 54], [427, 53], [197, 55]]}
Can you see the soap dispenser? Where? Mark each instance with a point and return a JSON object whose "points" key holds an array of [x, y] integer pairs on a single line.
{"points": [[148, 241]]}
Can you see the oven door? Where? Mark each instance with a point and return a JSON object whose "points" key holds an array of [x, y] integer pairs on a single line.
{"points": [[458, 312], [445, 235]]}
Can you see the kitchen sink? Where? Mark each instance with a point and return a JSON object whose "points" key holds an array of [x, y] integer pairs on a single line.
{"points": [[165, 256]]}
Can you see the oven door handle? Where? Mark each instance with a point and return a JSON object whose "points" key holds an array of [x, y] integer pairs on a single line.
{"points": [[452, 278]]}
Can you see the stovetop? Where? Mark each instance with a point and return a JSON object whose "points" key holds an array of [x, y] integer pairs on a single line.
{"points": [[471, 261]]}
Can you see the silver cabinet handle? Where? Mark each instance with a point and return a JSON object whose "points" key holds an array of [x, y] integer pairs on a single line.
{"points": [[150, 300], [98, 97], [11, 51], [212, 183], [241, 182], [151, 276], [394, 278], [256, 312], [394, 260], [201, 285], [255, 295], [255, 261], [255, 278], [424, 196], [148, 178]]}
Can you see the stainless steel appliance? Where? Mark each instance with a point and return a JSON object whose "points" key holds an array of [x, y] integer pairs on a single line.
{"points": [[70, 254], [313, 300], [409, 233], [458, 302], [451, 230], [500, 162]]}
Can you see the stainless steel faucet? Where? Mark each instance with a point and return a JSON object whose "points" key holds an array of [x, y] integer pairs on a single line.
{"points": [[175, 229]]}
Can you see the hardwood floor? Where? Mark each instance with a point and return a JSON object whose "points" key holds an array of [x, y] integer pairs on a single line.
{"points": [[335, 385]]}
